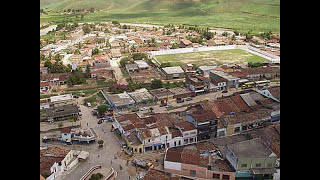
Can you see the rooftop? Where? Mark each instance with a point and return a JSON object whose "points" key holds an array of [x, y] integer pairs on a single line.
{"points": [[65, 97], [185, 126], [141, 64], [173, 70], [243, 117], [250, 148], [58, 111], [161, 92], [141, 95], [198, 155], [51, 155], [270, 136], [224, 75], [120, 99]]}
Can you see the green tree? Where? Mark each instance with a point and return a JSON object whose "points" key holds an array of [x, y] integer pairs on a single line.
{"points": [[76, 78], [139, 56], [60, 125], [48, 64], [95, 51], [100, 142], [58, 57], [151, 109], [72, 120], [102, 109], [97, 176], [77, 51], [86, 29], [155, 84]]}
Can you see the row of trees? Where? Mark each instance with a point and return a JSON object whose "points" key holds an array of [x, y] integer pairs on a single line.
{"points": [[57, 67]]}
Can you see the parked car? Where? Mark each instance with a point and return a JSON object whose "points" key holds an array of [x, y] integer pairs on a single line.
{"points": [[87, 104], [180, 100], [189, 99], [94, 112], [143, 108], [108, 118], [225, 91], [101, 116]]}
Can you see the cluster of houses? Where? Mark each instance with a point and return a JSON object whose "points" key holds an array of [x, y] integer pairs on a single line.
{"points": [[182, 132], [58, 108], [55, 161], [203, 80]]}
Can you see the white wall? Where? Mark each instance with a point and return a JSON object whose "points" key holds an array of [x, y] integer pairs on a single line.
{"points": [[172, 165]]}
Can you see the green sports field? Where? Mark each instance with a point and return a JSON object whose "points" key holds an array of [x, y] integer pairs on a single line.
{"points": [[217, 57]]}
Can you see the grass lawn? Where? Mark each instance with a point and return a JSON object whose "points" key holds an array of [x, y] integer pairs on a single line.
{"points": [[210, 57]]}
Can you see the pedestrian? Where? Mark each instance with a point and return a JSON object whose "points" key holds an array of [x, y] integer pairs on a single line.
{"points": [[98, 155], [87, 124]]}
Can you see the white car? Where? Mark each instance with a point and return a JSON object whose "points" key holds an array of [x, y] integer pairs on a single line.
{"points": [[143, 108]]}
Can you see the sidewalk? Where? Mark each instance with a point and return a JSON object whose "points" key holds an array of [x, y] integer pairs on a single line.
{"points": [[45, 126]]}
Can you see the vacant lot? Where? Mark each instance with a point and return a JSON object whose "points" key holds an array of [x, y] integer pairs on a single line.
{"points": [[210, 57]]}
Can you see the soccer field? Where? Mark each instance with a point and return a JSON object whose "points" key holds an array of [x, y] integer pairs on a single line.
{"points": [[217, 57]]}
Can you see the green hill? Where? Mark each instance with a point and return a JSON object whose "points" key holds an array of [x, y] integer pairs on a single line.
{"points": [[242, 15]]}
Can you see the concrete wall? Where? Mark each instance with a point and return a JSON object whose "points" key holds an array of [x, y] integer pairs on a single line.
{"points": [[172, 166], [233, 160], [251, 162], [65, 162]]}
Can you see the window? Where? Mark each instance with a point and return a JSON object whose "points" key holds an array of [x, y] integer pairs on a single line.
{"points": [[244, 165], [193, 173], [175, 143], [179, 143], [216, 176], [225, 176], [258, 165], [269, 165], [149, 140], [191, 140], [237, 129]]}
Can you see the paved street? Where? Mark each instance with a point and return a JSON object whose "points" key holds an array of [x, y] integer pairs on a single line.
{"points": [[106, 154], [112, 146]]}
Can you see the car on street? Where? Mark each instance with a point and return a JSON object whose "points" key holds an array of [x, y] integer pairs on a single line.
{"points": [[180, 100], [108, 118], [189, 99], [225, 91], [101, 115], [87, 104], [94, 112]]}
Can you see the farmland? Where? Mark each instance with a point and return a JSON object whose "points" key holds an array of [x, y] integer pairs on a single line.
{"points": [[241, 15], [217, 57]]}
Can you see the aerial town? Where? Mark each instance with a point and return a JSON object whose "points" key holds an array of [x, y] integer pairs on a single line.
{"points": [[136, 101]]}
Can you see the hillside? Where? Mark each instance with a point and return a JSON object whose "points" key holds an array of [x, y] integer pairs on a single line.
{"points": [[243, 15]]}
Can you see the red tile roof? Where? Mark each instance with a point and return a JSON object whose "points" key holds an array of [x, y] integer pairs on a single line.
{"points": [[186, 126]]}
